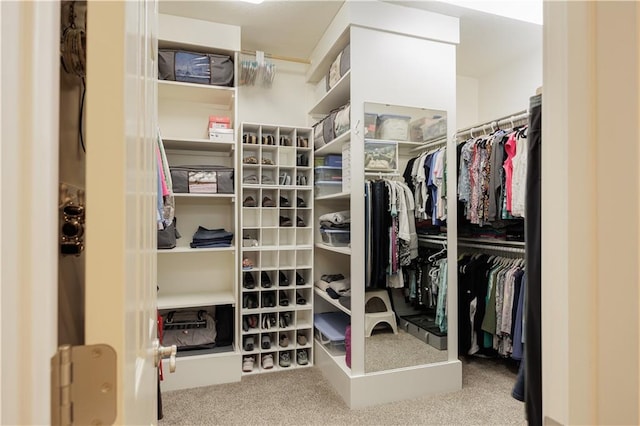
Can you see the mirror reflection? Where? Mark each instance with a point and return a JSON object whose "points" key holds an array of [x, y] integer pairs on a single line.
{"points": [[405, 257]]}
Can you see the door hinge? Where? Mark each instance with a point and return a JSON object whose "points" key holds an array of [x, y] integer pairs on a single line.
{"points": [[83, 385]]}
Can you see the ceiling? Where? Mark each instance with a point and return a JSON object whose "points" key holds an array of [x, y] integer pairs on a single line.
{"points": [[292, 28]]}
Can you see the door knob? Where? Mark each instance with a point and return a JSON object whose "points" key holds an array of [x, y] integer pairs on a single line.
{"points": [[161, 352]]}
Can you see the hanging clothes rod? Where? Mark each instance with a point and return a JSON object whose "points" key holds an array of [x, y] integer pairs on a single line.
{"points": [[428, 145], [435, 240], [507, 119], [495, 248], [278, 57]]}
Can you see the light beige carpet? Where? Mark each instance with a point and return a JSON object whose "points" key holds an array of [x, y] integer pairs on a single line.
{"points": [[386, 351], [302, 397]]}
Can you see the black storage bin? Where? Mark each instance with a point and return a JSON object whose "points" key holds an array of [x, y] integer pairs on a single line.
{"points": [[202, 179], [193, 67]]}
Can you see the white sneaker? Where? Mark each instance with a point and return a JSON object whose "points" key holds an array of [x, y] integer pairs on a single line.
{"points": [[267, 361], [247, 364]]}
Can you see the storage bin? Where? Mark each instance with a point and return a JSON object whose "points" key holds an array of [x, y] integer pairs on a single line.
{"points": [[428, 128], [326, 173], [221, 135], [323, 188], [393, 127], [336, 237], [370, 124], [330, 331], [380, 156], [339, 67], [202, 179], [333, 160], [194, 67]]}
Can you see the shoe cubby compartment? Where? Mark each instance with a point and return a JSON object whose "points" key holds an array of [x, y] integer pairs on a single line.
{"points": [[250, 323], [302, 297], [249, 363], [249, 281], [304, 258], [303, 218], [268, 159], [303, 357], [267, 363], [250, 238], [268, 299], [303, 277], [270, 218], [268, 321], [251, 156], [251, 218], [304, 237], [286, 199], [269, 259], [269, 237], [286, 338], [250, 343], [268, 341], [250, 300], [285, 278], [269, 199], [304, 318], [250, 261], [302, 158], [285, 359], [304, 199], [268, 177], [286, 320], [287, 157], [303, 178], [287, 237], [286, 175], [303, 338], [266, 279], [251, 198], [268, 137], [285, 298], [287, 259]]}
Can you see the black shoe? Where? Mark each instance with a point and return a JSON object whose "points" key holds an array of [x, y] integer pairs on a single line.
{"points": [[264, 278], [251, 301], [284, 281], [245, 324], [284, 300], [284, 202], [300, 202], [248, 281], [299, 279], [300, 300]]}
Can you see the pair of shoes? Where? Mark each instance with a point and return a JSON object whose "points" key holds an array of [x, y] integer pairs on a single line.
{"points": [[249, 321], [248, 343], [249, 138], [302, 142], [284, 202], [284, 341], [300, 223], [284, 300], [302, 160], [269, 300], [267, 180], [302, 357], [250, 179], [283, 280], [300, 300], [300, 202], [301, 180], [285, 141], [266, 322], [285, 319], [268, 202], [248, 281], [250, 160], [268, 140], [267, 161], [299, 279], [249, 202], [265, 342], [302, 339], [285, 359], [249, 301], [285, 221], [285, 179], [265, 281], [247, 263], [267, 361], [247, 364]]}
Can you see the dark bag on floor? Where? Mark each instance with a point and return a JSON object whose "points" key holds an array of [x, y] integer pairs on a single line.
{"points": [[167, 237], [189, 329], [224, 325]]}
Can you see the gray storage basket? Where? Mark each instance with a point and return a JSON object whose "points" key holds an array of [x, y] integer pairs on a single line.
{"points": [[180, 178], [193, 67]]}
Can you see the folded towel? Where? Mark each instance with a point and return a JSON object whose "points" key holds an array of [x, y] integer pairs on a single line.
{"points": [[337, 217]]}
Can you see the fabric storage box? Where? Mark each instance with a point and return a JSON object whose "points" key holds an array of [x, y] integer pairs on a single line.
{"points": [[330, 329], [202, 179], [327, 173], [393, 127], [425, 129], [342, 120], [339, 67], [336, 237], [380, 156], [194, 67], [323, 188], [370, 123], [333, 160], [221, 135], [318, 134]]}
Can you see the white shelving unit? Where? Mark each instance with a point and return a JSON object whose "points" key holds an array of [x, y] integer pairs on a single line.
{"points": [[371, 30], [202, 278], [279, 180]]}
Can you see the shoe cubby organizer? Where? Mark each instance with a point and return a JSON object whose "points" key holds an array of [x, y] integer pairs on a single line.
{"points": [[276, 164]]}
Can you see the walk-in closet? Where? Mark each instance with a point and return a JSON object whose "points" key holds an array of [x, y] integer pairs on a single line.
{"points": [[376, 205]]}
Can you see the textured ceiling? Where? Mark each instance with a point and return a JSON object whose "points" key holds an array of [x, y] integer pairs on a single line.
{"points": [[292, 28]]}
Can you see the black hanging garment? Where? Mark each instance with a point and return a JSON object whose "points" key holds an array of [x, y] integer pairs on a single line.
{"points": [[380, 222], [533, 310]]}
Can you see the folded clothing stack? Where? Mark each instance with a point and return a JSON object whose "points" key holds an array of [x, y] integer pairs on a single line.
{"points": [[336, 286], [336, 220], [208, 238]]}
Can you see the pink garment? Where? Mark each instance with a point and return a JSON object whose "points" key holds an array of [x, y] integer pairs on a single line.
{"points": [[510, 148], [165, 190]]}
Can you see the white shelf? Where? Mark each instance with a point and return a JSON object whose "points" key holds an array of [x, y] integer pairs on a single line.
{"points": [[330, 300], [334, 146], [336, 196], [197, 144], [337, 96], [187, 195], [188, 249], [187, 300], [201, 93], [340, 360], [342, 250]]}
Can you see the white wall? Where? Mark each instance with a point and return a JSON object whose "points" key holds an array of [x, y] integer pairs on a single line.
{"points": [[283, 103], [466, 101], [508, 88]]}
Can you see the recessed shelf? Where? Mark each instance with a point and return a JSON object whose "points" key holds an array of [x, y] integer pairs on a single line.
{"points": [[342, 250], [337, 96], [323, 295], [336, 196], [197, 144], [201, 93], [186, 300]]}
